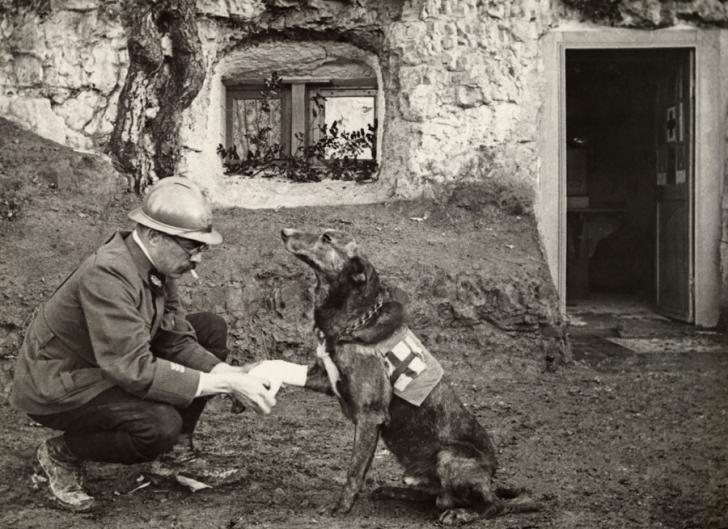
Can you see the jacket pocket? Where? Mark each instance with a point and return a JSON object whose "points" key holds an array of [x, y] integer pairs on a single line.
{"points": [[80, 379]]}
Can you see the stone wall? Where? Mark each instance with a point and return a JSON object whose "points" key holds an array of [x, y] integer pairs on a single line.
{"points": [[467, 83], [460, 78], [61, 72]]}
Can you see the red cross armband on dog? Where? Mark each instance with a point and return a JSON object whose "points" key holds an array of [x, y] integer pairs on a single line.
{"points": [[412, 370]]}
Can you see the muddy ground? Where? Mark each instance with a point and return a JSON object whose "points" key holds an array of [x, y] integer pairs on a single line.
{"points": [[606, 441]]}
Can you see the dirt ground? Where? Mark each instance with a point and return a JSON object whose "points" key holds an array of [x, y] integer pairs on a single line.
{"points": [[609, 441]]}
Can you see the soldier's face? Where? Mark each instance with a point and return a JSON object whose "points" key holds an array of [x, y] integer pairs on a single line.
{"points": [[174, 256]]}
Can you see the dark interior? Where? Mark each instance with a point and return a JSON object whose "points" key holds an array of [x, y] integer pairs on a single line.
{"points": [[611, 121]]}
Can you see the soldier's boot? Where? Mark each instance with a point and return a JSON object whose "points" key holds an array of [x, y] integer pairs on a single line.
{"points": [[64, 474]]}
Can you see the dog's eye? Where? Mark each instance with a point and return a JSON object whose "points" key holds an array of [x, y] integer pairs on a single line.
{"points": [[326, 238]]}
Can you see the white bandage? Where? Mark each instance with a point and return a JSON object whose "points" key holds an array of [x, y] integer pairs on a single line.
{"points": [[281, 371]]}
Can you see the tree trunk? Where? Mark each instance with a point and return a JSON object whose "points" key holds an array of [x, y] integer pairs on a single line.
{"points": [[161, 83]]}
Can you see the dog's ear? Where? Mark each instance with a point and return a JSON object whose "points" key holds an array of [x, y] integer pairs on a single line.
{"points": [[358, 270]]}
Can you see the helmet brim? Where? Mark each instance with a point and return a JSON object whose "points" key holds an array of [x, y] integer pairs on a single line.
{"points": [[211, 237]]}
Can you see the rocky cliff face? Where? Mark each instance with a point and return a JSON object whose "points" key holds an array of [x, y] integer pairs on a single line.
{"points": [[62, 70], [458, 77]]}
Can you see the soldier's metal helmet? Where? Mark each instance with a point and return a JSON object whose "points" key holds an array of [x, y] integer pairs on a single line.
{"points": [[176, 206]]}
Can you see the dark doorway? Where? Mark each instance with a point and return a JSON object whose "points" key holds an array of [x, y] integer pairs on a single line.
{"points": [[629, 140]]}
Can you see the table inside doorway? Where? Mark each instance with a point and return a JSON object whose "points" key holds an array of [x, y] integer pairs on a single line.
{"points": [[585, 228]]}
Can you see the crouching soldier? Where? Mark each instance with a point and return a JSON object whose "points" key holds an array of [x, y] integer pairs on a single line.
{"points": [[113, 362]]}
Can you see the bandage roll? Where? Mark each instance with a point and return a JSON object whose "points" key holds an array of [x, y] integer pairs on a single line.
{"points": [[280, 371]]}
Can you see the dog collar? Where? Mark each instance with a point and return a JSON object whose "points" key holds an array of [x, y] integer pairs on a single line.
{"points": [[364, 318]]}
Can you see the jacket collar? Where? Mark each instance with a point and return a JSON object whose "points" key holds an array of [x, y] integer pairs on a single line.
{"points": [[140, 244], [142, 264]]}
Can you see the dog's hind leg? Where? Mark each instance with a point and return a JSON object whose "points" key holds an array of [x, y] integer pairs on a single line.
{"points": [[486, 504], [456, 511], [501, 500], [418, 487], [466, 492]]}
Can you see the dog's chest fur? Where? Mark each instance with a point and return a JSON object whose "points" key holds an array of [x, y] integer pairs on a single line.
{"points": [[363, 385]]}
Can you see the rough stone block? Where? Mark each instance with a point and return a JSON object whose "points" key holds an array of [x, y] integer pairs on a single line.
{"points": [[469, 96], [28, 70], [36, 115], [102, 68], [79, 110]]}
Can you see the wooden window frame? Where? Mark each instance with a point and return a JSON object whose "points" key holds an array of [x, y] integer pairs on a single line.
{"points": [[313, 133], [296, 96], [252, 91]]}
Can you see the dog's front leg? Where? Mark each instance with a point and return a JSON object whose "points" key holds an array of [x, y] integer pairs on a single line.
{"points": [[366, 435], [317, 379]]}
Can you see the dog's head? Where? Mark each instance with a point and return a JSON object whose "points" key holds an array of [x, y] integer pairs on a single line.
{"points": [[349, 297], [333, 255]]}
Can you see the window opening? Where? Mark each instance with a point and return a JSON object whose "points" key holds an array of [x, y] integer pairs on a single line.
{"points": [[345, 111], [301, 129], [255, 120]]}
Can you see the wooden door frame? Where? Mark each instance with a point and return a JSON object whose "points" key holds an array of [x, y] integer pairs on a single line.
{"points": [[709, 140]]}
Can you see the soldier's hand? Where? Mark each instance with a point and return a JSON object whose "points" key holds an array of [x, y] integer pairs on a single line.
{"points": [[252, 391]]}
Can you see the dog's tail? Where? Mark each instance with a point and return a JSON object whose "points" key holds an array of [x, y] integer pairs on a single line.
{"points": [[520, 504], [515, 501]]}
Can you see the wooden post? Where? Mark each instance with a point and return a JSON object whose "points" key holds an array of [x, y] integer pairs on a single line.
{"points": [[298, 116]]}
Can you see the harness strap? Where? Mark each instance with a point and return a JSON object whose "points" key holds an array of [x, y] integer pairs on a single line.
{"points": [[331, 370], [400, 367]]}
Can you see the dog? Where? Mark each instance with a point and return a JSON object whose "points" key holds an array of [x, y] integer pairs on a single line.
{"points": [[388, 384]]}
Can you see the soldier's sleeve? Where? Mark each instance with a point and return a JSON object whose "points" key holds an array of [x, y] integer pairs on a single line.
{"points": [[176, 339], [120, 339]]}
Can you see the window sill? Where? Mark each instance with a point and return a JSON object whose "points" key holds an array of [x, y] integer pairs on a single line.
{"points": [[271, 193]]}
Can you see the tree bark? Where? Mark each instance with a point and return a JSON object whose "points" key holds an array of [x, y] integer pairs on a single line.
{"points": [[160, 84]]}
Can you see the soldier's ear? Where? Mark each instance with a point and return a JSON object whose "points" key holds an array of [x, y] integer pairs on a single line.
{"points": [[149, 236], [357, 270]]}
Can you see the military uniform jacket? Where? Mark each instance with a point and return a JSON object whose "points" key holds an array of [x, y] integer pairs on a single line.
{"points": [[108, 325]]}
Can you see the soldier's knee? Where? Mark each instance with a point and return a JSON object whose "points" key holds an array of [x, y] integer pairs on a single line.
{"points": [[160, 432], [212, 332]]}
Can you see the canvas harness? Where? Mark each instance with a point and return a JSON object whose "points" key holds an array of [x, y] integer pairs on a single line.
{"points": [[412, 370]]}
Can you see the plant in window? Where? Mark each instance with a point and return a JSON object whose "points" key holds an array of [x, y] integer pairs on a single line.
{"points": [[336, 153]]}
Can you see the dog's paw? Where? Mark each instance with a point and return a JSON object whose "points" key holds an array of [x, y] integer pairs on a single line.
{"points": [[458, 516]]}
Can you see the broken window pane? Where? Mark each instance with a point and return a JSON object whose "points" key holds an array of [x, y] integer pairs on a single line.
{"points": [[352, 114], [347, 118]]}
